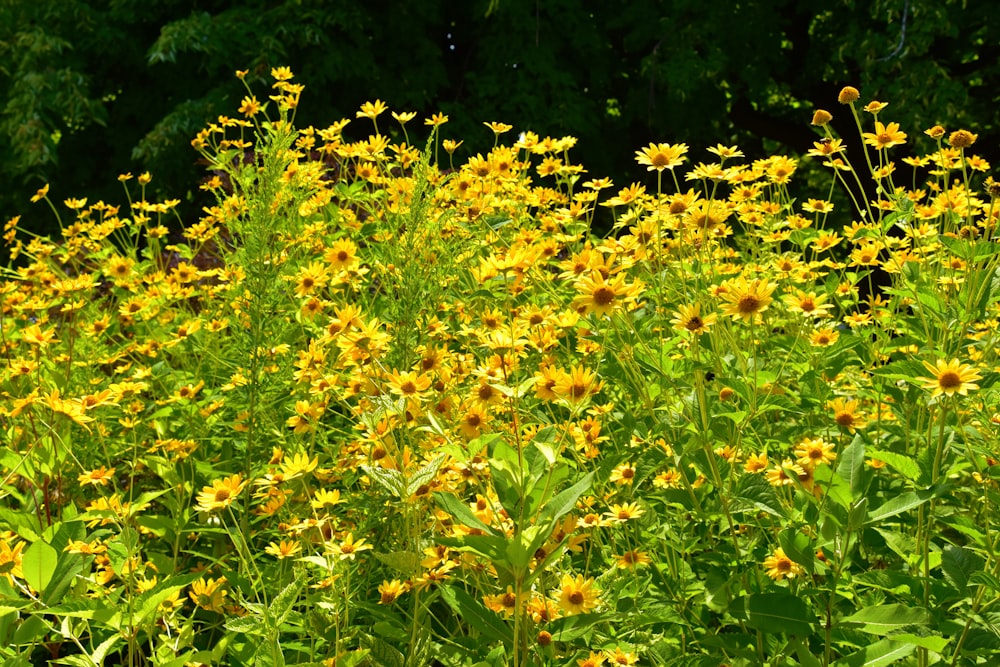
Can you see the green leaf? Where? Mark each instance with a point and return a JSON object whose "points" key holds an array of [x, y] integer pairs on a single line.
{"points": [[882, 652], [779, 613], [246, 625], [901, 503], [39, 564], [147, 603], [958, 564], [798, 547], [851, 467], [473, 612], [460, 511], [282, 604], [883, 619], [424, 475], [390, 480], [565, 500], [753, 493], [904, 465]]}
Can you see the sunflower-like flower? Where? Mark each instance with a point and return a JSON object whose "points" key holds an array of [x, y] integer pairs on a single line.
{"points": [[780, 566], [885, 136], [950, 378], [577, 595], [220, 494], [745, 299], [658, 157], [689, 318], [814, 452]]}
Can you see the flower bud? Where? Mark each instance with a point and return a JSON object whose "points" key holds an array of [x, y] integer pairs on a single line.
{"points": [[821, 117], [962, 139], [848, 94]]}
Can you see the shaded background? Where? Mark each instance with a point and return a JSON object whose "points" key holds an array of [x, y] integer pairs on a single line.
{"points": [[91, 89]]}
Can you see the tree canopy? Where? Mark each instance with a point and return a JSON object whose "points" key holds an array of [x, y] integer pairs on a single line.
{"points": [[94, 88]]}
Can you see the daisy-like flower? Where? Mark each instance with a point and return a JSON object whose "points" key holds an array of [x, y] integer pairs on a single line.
{"points": [[624, 512], [885, 136], [950, 378], [689, 318], [845, 413], [577, 595], [632, 559], [577, 385], [371, 109], [97, 477], [814, 452], [603, 296], [220, 494], [823, 337], [348, 548], [620, 657], [808, 303], [756, 463], [782, 475], [10, 560], [592, 660], [283, 549], [745, 299], [658, 157], [209, 594], [623, 474], [780, 566], [389, 591]]}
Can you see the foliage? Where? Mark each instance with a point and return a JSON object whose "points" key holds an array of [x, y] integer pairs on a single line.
{"points": [[372, 410]]}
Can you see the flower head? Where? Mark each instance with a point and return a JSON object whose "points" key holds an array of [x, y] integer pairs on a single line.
{"points": [[950, 378], [780, 566], [220, 494], [658, 157], [745, 299], [577, 595]]}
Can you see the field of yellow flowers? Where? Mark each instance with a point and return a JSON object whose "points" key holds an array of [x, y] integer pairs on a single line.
{"points": [[377, 407]]}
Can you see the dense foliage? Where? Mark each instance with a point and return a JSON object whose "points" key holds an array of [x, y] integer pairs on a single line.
{"points": [[380, 406]]}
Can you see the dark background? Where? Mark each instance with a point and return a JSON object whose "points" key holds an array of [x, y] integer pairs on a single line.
{"points": [[93, 89]]}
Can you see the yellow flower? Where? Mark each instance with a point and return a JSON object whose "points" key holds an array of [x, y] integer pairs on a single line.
{"points": [[780, 566], [688, 318], [845, 413], [624, 512], [747, 299], [950, 377], [283, 549], [577, 385], [348, 548], [409, 384], [10, 560], [208, 593], [824, 337], [623, 474], [389, 591], [661, 156], [220, 494], [592, 660], [632, 559], [298, 465], [814, 452], [41, 194], [97, 477], [577, 595], [597, 294], [885, 136], [371, 109]]}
